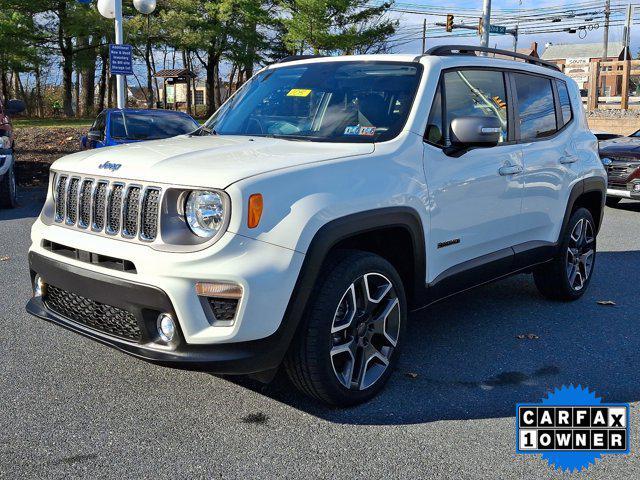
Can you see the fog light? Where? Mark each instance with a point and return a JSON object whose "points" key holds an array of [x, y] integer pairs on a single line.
{"points": [[39, 287], [166, 327], [636, 187]]}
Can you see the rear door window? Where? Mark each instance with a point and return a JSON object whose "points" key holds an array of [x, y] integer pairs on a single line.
{"points": [[536, 109]]}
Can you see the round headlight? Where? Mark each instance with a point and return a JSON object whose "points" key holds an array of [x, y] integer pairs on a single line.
{"points": [[205, 213]]}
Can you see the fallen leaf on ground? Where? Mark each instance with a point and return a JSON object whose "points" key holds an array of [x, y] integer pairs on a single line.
{"points": [[606, 302], [527, 336], [411, 375], [4, 259]]}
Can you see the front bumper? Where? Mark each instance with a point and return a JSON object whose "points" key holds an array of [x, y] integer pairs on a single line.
{"points": [[267, 274], [145, 302], [619, 193], [6, 159]]}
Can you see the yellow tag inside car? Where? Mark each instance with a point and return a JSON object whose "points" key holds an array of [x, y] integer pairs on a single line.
{"points": [[299, 92]]}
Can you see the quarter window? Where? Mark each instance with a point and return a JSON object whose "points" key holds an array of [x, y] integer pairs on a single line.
{"points": [[434, 133], [565, 102], [536, 110], [476, 93]]}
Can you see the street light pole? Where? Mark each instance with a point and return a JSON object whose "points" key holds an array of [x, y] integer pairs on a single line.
{"points": [[119, 41], [627, 31], [486, 21]]}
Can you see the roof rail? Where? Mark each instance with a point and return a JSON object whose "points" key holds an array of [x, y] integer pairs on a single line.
{"points": [[444, 50], [293, 58]]}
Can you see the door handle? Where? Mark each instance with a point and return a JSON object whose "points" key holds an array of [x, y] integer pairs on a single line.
{"points": [[510, 170], [568, 158]]}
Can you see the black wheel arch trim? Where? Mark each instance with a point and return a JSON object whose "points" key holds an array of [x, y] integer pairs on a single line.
{"points": [[587, 185], [336, 231]]}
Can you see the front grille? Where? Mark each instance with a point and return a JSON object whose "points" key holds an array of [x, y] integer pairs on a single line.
{"points": [[131, 211], [114, 208], [61, 197], [72, 201], [622, 168], [150, 210], [99, 203], [85, 204], [105, 318]]}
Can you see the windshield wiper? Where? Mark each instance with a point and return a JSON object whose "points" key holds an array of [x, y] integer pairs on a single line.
{"points": [[303, 138], [206, 130]]}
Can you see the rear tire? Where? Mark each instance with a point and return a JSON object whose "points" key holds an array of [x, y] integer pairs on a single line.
{"points": [[348, 342], [568, 275], [612, 201], [9, 188]]}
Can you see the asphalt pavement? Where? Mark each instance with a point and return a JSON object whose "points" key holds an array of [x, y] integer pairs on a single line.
{"points": [[71, 408]]}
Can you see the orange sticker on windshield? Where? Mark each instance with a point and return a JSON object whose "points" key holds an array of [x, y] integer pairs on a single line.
{"points": [[299, 92]]}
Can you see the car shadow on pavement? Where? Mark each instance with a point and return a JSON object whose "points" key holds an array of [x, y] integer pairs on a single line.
{"points": [[629, 206], [478, 354], [30, 201]]}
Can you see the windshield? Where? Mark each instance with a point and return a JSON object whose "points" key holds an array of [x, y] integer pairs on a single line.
{"points": [[325, 101], [137, 126]]}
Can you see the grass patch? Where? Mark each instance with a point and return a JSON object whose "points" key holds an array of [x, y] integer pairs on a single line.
{"points": [[51, 122]]}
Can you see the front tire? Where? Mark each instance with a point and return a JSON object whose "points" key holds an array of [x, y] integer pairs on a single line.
{"points": [[9, 188], [348, 342], [568, 275]]}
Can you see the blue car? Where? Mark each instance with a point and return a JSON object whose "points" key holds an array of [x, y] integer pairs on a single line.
{"points": [[116, 126]]}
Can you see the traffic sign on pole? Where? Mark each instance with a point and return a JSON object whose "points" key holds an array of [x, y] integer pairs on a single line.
{"points": [[497, 29]]}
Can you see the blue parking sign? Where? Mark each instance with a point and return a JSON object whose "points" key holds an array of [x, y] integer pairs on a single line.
{"points": [[121, 59]]}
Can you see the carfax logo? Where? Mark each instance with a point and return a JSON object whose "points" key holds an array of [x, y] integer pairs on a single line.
{"points": [[572, 428], [109, 166]]}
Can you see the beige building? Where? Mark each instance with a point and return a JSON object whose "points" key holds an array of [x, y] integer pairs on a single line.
{"points": [[574, 60]]}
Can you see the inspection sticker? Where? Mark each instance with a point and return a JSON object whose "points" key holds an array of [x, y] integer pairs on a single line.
{"points": [[299, 92], [358, 130], [572, 428]]}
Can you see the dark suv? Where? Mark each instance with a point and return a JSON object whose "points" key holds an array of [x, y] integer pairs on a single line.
{"points": [[621, 157], [8, 189]]}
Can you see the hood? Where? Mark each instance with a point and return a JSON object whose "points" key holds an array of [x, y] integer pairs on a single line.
{"points": [[210, 161], [628, 146]]}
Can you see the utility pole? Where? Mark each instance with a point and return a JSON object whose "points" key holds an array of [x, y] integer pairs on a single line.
{"points": [[119, 41], [605, 39], [486, 22], [424, 35], [605, 45]]}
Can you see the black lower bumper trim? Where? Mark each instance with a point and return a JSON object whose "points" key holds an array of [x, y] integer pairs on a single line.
{"points": [[225, 358]]}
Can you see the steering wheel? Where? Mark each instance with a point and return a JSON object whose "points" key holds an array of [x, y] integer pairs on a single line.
{"points": [[257, 121]]}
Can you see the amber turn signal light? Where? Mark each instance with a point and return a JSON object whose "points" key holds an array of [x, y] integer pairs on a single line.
{"points": [[218, 290], [255, 210]]}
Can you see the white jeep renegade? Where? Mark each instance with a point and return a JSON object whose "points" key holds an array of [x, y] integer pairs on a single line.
{"points": [[318, 206]]}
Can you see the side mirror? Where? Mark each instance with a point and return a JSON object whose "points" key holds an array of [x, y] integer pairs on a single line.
{"points": [[95, 135], [15, 106], [482, 131]]}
